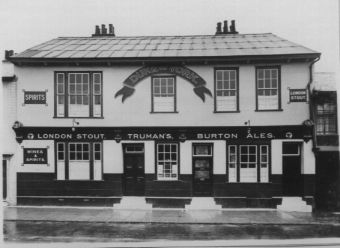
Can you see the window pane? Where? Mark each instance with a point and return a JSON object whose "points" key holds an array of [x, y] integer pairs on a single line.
{"points": [[86, 100], [97, 100], [61, 99]]}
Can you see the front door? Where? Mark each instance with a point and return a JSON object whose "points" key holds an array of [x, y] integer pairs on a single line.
{"points": [[291, 170], [202, 169], [134, 177]]}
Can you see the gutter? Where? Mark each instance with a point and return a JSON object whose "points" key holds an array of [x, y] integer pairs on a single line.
{"points": [[311, 112]]}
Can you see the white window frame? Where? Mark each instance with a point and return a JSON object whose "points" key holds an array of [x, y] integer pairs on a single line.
{"points": [[226, 96], [163, 99], [266, 98], [78, 98], [166, 174]]}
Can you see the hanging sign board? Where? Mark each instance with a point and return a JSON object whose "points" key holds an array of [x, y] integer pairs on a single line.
{"points": [[35, 97], [297, 95], [35, 155]]}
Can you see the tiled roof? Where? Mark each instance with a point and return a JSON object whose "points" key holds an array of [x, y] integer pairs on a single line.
{"points": [[165, 46]]}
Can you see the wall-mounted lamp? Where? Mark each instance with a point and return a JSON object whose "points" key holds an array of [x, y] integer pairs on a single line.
{"points": [[182, 137], [74, 123], [247, 123], [117, 137]]}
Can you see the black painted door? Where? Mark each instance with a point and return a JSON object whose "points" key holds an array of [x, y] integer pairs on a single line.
{"points": [[134, 177], [291, 178], [202, 176]]}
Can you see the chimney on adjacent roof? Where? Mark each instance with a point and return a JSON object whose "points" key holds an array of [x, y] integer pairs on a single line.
{"points": [[8, 53], [103, 31], [219, 28], [225, 27], [232, 28]]}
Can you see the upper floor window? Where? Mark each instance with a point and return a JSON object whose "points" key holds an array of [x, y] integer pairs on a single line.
{"points": [[163, 94], [326, 119], [226, 90], [78, 94], [268, 88]]}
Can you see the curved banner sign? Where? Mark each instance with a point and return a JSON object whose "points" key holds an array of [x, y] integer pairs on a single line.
{"points": [[181, 71]]}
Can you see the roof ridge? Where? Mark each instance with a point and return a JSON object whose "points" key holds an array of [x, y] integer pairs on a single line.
{"points": [[160, 36]]}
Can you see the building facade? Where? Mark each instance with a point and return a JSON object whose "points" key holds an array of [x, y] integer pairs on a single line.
{"points": [[168, 118]]}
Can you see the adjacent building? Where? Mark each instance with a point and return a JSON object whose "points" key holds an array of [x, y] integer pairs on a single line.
{"points": [[166, 118]]}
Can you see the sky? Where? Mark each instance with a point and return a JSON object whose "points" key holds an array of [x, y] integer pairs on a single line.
{"points": [[312, 23]]}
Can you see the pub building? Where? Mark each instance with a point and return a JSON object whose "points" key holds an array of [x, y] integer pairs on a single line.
{"points": [[169, 121]]}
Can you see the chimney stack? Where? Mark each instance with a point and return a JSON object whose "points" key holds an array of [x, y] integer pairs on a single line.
{"points": [[104, 30], [111, 30], [233, 28], [8, 53], [219, 28], [97, 30], [225, 27]]}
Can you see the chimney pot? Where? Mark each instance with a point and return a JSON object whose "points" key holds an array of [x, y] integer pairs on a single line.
{"points": [[233, 28], [8, 53], [225, 27], [219, 28], [97, 30], [111, 30], [104, 30]]}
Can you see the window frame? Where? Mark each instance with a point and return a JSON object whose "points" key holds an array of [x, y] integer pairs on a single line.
{"points": [[237, 89], [178, 161], [152, 95], [323, 116], [279, 108], [66, 146], [258, 161], [67, 94]]}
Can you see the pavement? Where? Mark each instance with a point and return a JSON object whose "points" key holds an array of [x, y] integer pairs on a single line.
{"points": [[109, 215], [106, 227]]}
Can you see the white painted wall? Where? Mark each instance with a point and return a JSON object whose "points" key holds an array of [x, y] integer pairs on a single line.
{"points": [[219, 157], [149, 147], [135, 111], [308, 159], [276, 157], [186, 158], [113, 163]]}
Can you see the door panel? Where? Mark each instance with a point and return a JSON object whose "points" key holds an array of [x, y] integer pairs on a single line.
{"points": [[202, 176], [292, 178], [134, 177]]}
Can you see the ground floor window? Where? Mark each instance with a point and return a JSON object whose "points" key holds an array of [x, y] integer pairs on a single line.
{"points": [[167, 161], [248, 163], [79, 160]]}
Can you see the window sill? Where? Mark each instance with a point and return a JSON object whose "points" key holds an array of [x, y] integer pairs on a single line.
{"points": [[223, 112], [249, 182], [268, 110], [152, 112], [59, 117], [78, 180]]}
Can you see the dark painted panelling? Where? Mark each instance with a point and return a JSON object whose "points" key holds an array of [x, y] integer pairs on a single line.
{"points": [[62, 201], [262, 190], [168, 202], [248, 202], [327, 140], [327, 180], [181, 187], [44, 184], [308, 185]]}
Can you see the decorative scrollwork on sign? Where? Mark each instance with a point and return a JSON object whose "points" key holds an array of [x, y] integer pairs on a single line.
{"points": [[197, 81]]}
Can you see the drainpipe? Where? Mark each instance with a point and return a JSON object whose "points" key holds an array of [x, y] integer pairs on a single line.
{"points": [[311, 112]]}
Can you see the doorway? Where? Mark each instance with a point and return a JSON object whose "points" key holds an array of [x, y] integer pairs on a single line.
{"points": [[292, 180], [202, 159], [134, 175]]}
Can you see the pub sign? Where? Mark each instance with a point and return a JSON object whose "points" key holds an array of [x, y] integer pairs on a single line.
{"points": [[35, 97], [35, 155]]}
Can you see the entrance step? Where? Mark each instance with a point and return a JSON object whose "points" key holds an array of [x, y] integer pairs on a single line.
{"points": [[203, 203], [294, 204], [133, 202]]}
